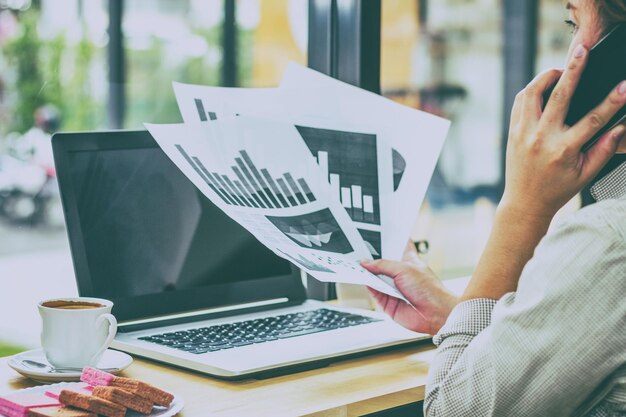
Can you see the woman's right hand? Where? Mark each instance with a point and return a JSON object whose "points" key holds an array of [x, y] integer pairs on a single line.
{"points": [[545, 164]]}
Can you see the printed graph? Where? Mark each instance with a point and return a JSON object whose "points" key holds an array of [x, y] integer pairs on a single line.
{"points": [[249, 186], [317, 230], [204, 115], [399, 165], [310, 265], [349, 160], [372, 241]]}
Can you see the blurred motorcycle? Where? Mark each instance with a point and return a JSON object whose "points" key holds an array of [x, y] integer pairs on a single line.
{"points": [[29, 191]]}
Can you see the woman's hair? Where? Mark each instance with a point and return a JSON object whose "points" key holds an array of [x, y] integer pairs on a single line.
{"points": [[612, 11]]}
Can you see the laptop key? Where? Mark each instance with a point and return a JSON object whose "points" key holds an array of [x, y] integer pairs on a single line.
{"points": [[300, 333], [237, 344]]}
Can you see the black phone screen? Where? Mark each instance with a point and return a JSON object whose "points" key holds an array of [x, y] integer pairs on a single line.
{"points": [[606, 67]]}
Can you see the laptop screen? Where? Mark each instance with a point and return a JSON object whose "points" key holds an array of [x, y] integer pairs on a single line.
{"points": [[142, 231]]}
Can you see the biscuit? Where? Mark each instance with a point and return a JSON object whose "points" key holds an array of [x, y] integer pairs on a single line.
{"points": [[81, 388], [145, 390], [18, 403], [125, 398], [100, 378], [90, 403], [96, 377], [59, 411]]}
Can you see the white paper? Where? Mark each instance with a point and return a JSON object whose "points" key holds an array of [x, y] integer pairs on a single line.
{"points": [[407, 143], [355, 161], [415, 137], [262, 175]]}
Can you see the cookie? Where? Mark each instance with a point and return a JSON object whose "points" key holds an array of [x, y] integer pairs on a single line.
{"points": [[59, 411], [145, 390], [125, 398], [81, 388], [96, 377], [18, 403], [91, 403], [157, 396]]}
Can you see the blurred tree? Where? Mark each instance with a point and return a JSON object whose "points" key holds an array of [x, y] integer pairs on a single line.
{"points": [[80, 110], [52, 59], [150, 95], [23, 53], [43, 76]]}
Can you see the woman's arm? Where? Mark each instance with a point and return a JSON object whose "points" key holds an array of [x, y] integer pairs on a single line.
{"points": [[545, 168], [548, 348]]}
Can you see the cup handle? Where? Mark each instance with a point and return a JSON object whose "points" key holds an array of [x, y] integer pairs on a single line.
{"points": [[112, 331]]}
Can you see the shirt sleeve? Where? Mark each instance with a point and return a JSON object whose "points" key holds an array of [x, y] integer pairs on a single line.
{"points": [[544, 350]]}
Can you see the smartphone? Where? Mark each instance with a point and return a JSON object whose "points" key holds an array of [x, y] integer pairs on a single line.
{"points": [[606, 67]]}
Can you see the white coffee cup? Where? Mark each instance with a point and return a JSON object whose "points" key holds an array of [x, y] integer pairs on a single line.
{"points": [[76, 331]]}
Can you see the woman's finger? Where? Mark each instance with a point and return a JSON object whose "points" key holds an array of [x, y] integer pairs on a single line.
{"points": [[600, 153], [555, 110], [516, 111], [384, 267], [595, 120], [532, 95], [377, 295], [385, 301]]}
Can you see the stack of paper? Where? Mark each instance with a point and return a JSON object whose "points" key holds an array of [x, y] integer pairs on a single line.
{"points": [[322, 173]]}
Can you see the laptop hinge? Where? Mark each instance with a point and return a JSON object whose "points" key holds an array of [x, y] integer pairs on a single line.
{"points": [[229, 311]]}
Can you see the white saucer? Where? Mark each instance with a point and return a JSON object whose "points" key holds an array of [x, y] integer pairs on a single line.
{"points": [[177, 403], [116, 361]]}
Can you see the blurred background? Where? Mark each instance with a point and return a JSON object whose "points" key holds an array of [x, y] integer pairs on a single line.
{"points": [[101, 64]]}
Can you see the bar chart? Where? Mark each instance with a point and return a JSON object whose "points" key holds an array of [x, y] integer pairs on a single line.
{"points": [[349, 160], [204, 115], [251, 187]]}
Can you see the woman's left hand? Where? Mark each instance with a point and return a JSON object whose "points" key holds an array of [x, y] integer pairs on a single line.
{"points": [[420, 286]]}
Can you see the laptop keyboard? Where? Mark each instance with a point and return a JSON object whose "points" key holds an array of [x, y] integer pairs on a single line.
{"points": [[227, 336]]}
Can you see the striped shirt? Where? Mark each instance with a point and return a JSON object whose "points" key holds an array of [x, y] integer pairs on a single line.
{"points": [[556, 346]]}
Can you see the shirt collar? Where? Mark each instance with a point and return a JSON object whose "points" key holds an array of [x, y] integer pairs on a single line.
{"points": [[612, 185]]}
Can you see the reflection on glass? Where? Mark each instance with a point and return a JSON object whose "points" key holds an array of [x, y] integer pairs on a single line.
{"points": [[445, 57]]}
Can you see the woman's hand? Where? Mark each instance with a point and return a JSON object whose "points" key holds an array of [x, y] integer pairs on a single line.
{"points": [[545, 166], [420, 286]]}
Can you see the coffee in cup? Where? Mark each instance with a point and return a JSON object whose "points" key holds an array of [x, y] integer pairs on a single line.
{"points": [[71, 305], [76, 331]]}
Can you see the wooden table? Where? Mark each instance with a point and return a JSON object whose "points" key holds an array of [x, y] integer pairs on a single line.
{"points": [[351, 387]]}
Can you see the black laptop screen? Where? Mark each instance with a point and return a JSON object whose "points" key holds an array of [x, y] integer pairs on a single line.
{"points": [[146, 229]]}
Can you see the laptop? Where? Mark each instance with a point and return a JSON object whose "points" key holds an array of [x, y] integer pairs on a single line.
{"points": [[190, 286]]}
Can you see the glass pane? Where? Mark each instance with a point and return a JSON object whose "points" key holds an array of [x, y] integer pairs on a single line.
{"points": [[554, 35], [445, 57], [272, 33], [55, 59], [53, 76], [183, 41], [168, 41]]}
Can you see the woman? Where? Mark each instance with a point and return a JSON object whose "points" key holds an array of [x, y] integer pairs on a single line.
{"points": [[541, 327]]}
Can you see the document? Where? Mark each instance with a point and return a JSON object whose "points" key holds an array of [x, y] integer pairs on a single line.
{"points": [[321, 172], [262, 174], [371, 155], [413, 140]]}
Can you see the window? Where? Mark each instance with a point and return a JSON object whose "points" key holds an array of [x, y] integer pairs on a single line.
{"points": [[57, 59], [445, 57], [184, 41]]}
